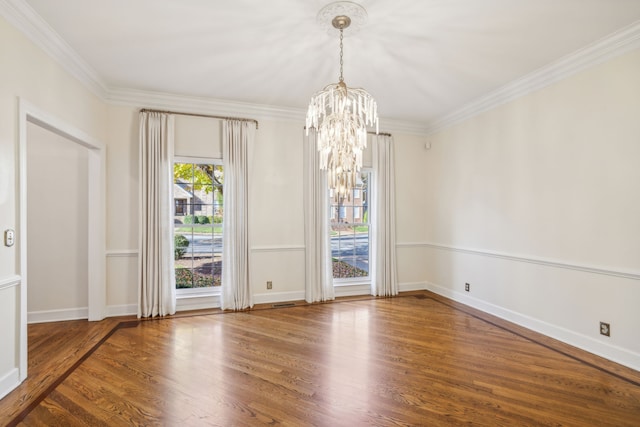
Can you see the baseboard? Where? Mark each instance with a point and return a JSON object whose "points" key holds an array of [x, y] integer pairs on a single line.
{"points": [[273, 297], [57, 315], [412, 286], [122, 310], [614, 353], [352, 290], [9, 381], [197, 302], [206, 302]]}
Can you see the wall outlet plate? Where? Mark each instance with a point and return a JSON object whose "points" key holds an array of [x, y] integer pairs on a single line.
{"points": [[269, 284], [467, 287], [605, 329]]}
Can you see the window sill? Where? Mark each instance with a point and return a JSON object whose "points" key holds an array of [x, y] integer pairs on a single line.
{"points": [[351, 282]]}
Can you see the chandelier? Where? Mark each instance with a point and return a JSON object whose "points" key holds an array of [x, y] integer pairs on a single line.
{"points": [[341, 114]]}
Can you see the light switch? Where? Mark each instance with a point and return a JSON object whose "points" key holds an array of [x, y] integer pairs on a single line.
{"points": [[9, 237]]}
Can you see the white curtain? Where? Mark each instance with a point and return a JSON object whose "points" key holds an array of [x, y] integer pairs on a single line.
{"points": [[156, 280], [384, 280], [237, 136], [318, 268]]}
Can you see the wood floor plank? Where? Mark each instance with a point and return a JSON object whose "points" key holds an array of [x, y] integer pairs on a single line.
{"points": [[411, 360], [53, 348]]}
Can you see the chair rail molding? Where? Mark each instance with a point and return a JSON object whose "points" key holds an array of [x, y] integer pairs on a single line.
{"points": [[114, 253], [608, 271], [278, 248], [10, 281]]}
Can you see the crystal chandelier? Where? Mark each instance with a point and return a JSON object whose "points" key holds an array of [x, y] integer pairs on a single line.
{"points": [[340, 116]]}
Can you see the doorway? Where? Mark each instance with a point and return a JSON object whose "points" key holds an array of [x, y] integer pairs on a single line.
{"points": [[89, 158], [57, 215]]}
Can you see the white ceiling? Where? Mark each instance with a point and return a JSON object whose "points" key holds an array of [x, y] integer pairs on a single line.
{"points": [[420, 59]]}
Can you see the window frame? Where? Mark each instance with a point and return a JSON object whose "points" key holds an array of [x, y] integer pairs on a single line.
{"points": [[212, 291], [344, 286]]}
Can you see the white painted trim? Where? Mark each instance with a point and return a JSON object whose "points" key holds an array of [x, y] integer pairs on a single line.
{"points": [[340, 291], [22, 16], [114, 253], [58, 315], [608, 271], [26, 20], [412, 286], [614, 353], [27, 112], [9, 381], [202, 105], [22, 236], [122, 310], [279, 248], [197, 302], [615, 44], [352, 290], [277, 297], [9, 282], [198, 104]]}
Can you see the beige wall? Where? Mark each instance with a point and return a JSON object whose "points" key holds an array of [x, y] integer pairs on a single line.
{"points": [[57, 212], [29, 74], [551, 177], [276, 220]]}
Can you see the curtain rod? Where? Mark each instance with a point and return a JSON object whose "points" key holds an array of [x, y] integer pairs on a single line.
{"points": [[380, 133], [212, 116]]}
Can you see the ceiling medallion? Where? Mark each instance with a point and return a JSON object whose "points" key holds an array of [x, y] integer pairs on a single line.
{"points": [[356, 13]]}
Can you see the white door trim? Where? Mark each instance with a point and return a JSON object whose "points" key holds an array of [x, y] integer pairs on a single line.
{"points": [[27, 112]]}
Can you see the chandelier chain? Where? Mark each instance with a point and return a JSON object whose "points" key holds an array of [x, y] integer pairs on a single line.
{"points": [[341, 60]]}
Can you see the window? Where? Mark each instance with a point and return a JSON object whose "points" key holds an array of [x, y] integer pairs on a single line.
{"points": [[350, 234], [181, 205], [343, 212], [198, 190]]}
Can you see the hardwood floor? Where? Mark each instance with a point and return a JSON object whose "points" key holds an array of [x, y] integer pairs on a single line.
{"points": [[417, 359]]}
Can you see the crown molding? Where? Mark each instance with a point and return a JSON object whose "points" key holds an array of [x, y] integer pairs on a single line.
{"points": [[24, 18], [204, 105], [615, 44]]}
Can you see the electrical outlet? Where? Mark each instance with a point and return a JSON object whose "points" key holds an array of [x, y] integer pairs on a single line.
{"points": [[269, 284], [467, 287], [605, 329]]}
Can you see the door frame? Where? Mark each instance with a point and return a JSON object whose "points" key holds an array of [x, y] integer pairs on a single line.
{"points": [[28, 113]]}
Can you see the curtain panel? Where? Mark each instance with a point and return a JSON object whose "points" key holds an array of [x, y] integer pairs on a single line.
{"points": [[384, 280], [237, 137], [318, 268], [156, 279]]}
